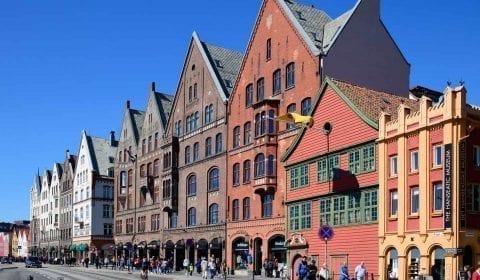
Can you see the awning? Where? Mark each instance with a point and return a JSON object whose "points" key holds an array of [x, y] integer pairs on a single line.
{"points": [[127, 245], [142, 245], [82, 247], [73, 247], [119, 245], [153, 244]]}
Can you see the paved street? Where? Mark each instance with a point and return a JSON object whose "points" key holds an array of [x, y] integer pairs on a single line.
{"points": [[57, 272]]}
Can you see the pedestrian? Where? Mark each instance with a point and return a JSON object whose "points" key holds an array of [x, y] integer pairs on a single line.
{"points": [[312, 270], [212, 267], [87, 260], [204, 268], [302, 269], [360, 271], [224, 268], [323, 272], [105, 262], [344, 271], [97, 263], [467, 273]]}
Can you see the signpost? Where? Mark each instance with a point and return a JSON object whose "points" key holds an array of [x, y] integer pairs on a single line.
{"points": [[326, 233]]}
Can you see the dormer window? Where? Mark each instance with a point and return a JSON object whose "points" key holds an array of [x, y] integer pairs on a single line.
{"points": [[218, 63], [300, 15]]}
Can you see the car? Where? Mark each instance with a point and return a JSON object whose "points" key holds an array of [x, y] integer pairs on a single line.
{"points": [[33, 262], [6, 260]]}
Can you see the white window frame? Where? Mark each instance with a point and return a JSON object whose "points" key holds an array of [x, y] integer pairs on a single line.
{"points": [[414, 161], [394, 166], [437, 161], [414, 192], [434, 197], [393, 197]]}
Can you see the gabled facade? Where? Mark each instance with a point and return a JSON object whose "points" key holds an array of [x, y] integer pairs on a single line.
{"points": [[332, 180], [429, 179], [194, 186], [45, 211], [93, 196], [66, 204], [52, 231], [35, 210], [6, 230], [293, 47]]}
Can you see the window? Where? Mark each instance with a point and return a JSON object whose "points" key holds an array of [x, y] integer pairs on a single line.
{"points": [[166, 190], [370, 202], [393, 203], [271, 165], [190, 95], [277, 81], [359, 207], [155, 222], [236, 210], [141, 224], [473, 198], [192, 216], [249, 95], [187, 155], [173, 220], [196, 117], [246, 171], [213, 179], [368, 158], [196, 148], [178, 128], [236, 137], [271, 122], [188, 124], [208, 147], [246, 208], [299, 176], [291, 109], [393, 166], [195, 90], [156, 167], [259, 166], [149, 143], [123, 179], [414, 200], [267, 205], [437, 155], [437, 197], [107, 192], [218, 143], [236, 174], [247, 136], [290, 75], [260, 89], [324, 172], [213, 214], [192, 185], [306, 105], [118, 226], [155, 141], [476, 156], [144, 143], [260, 123], [129, 225], [414, 161], [120, 156], [300, 216], [107, 229], [209, 114], [268, 52]]}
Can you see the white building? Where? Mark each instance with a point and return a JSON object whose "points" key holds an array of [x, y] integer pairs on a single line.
{"points": [[35, 211]]}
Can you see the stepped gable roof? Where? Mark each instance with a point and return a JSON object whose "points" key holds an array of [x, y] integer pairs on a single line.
{"points": [[371, 102], [164, 102], [102, 154], [226, 64]]}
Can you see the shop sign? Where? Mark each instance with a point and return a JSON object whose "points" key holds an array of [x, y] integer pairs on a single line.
{"points": [[278, 245], [462, 183], [241, 246], [453, 251], [447, 185], [469, 234]]}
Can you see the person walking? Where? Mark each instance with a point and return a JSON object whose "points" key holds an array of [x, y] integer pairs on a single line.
{"points": [[204, 268], [476, 273], [360, 271], [312, 270], [323, 272], [186, 262], [302, 269], [344, 272]]}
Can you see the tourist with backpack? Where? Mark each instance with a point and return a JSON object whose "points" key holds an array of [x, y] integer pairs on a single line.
{"points": [[302, 270]]}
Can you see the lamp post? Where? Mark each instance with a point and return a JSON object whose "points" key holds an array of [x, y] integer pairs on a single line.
{"points": [[133, 159], [327, 128]]}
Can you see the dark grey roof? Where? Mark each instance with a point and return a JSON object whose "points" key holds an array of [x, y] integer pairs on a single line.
{"points": [[226, 64], [137, 118], [37, 183], [60, 167], [164, 102], [102, 154], [332, 28], [6, 227]]}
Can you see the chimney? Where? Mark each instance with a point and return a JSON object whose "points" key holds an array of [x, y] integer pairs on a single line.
{"points": [[127, 104], [112, 138], [153, 87], [68, 153]]}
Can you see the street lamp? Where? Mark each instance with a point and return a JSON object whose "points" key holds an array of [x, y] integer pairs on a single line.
{"points": [[327, 128], [133, 159]]}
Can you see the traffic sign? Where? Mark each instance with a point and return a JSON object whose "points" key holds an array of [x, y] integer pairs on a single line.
{"points": [[325, 232]]}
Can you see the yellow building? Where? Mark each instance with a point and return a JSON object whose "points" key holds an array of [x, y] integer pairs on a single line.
{"points": [[429, 188]]}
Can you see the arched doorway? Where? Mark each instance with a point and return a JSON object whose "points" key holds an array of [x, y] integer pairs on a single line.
{"points": [[258, 256], [437, 258], [179, 254], [240, 253], [468, 256], [153, 249], [216, 247], [413, 266], [202, 249], [169, 247], [392, 264], [277, 249], [191, 250]]}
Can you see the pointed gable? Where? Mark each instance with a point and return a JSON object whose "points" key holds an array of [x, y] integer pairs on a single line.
{"points": [[102, 154], [354, 120], [156, 113]]}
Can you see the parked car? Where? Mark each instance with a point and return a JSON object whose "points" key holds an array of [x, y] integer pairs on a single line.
{"points": [[33, 262], [6, 260]]}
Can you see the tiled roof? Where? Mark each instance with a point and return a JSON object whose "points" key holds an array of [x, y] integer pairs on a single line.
{"points": [[137, 118], [102, 154], [226, 64], [332, 28], [372, 103], [164, 102]]}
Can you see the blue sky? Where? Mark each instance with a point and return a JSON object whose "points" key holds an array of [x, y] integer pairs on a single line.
{"points": [[71, 65]]}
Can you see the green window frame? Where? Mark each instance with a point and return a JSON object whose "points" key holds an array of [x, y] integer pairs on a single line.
{"points": [[300, 216], [322, 173], [358, 207], [362, 160], [299, 176]]}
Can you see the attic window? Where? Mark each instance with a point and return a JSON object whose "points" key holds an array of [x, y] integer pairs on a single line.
{"points": [[314, 35], [300, 15], [218, 63], [193, 67], [228, 83], [111, 159]]}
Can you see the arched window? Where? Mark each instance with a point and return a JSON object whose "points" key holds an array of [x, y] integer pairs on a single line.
{"points": [[190, 93], [208, 147], [208, 113], [123, 179], [260, 89], [195, 120], [218, 143], [277, 81], [196, 150], [187, 155], [213, 214], [187, 124], [236, 210], [268, 53], [156, 167], [259, 166], [192, 185], [392, 265], [291, 109], [306, 105], [236, 174], [213, 180], [246, 208], [236, 137], [247, 133], [173, 220], [246, 171], [192, 216], [271, 165], [290, 69], [195, 90], [249, 95]]}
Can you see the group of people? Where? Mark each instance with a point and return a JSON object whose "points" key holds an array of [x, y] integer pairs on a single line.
{"points": [[212, 267], [309, 271]]}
